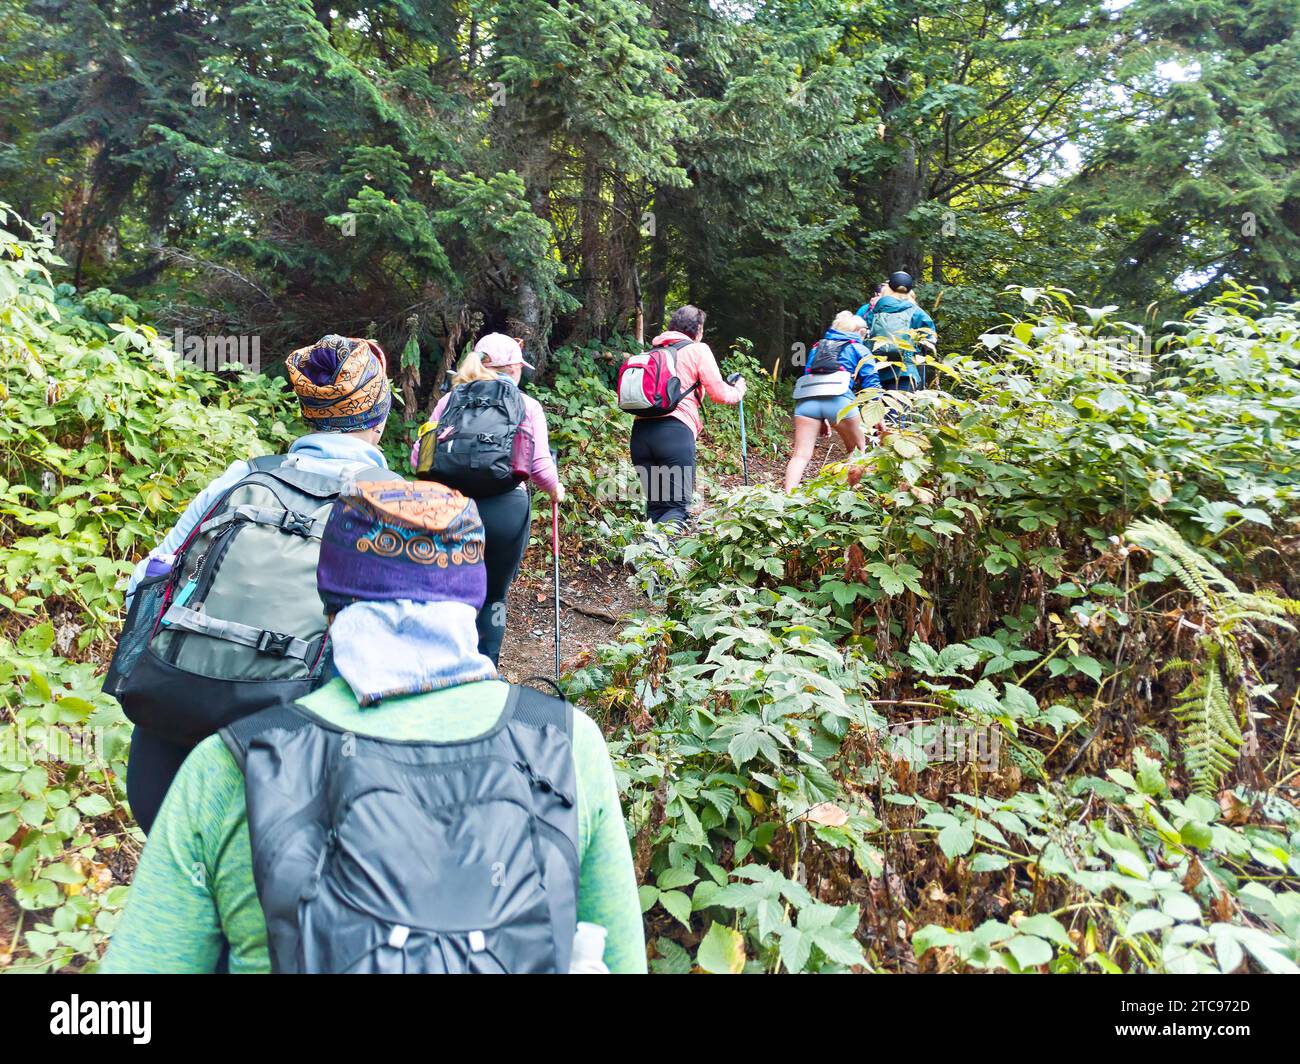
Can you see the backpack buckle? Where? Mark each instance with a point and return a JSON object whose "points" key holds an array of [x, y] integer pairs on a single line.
{"points": [[295, 523], [276, 643]]}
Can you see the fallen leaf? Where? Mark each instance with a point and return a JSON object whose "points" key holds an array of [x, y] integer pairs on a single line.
{"points": [[827, 814], [1235, 811]]}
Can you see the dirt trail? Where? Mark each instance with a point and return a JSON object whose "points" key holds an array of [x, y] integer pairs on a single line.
{"points": [[601, 589], [594, 585]]}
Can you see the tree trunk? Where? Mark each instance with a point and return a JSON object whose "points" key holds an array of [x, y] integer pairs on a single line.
{"points": [[655, 311], [589, 211], [624, 248], [901, 189], [776, 351], [527, 325]]}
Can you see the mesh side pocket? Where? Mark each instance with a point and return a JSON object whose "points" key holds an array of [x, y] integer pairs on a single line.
{"points": [[141, 620]]}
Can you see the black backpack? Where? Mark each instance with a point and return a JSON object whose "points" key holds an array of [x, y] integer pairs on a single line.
{"points": [[386, 856], [236, 625], [480, 446], [826, 356]]}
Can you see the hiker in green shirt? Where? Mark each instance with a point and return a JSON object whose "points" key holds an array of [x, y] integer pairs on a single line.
{"points": [[401, 575]]}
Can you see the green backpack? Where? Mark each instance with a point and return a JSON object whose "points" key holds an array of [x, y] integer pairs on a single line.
{"points": [[888, 329]]}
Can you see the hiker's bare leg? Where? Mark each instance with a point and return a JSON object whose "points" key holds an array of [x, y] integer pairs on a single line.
{"points": [[851, 434], [806, 430]]}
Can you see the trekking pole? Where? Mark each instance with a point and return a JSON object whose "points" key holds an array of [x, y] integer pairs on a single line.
{"points": [[744, 449], [555, 562]]}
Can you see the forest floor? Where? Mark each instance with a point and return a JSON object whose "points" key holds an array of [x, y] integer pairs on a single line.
{"points": [[596, 593]]}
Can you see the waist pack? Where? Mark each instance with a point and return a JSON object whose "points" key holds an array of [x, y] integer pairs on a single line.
{"points": [[381, 856], [821, 385], [236, 625], [648, 385], [480, 445]]}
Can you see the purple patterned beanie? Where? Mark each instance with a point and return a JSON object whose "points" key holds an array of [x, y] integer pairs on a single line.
{"points": [[395, 539], [341, 383]]}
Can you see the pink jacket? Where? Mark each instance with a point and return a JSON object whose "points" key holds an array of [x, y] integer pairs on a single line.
{"points": [[696, 363], [545, 475]]}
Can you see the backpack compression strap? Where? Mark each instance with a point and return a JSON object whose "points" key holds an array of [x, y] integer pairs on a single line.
{"points": [[262, 640], [287, 520]]}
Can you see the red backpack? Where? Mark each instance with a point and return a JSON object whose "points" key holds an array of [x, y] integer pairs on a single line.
{"points": [[648, 385]]}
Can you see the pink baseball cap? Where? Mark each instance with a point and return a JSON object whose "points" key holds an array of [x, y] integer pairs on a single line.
{"points": [[499, 350]]}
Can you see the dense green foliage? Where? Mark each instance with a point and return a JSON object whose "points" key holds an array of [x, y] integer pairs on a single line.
{"points": [[104, 437], [1057, 553]]}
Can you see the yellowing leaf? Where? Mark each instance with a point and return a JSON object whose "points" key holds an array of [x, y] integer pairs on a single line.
{"points": [[722, 951]]}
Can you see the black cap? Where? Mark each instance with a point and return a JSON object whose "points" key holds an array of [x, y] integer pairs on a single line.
{"points": [[900, 281]]}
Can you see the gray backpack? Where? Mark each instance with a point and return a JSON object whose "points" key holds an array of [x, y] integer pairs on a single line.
{"points": [[387, 856], [236, 625]]}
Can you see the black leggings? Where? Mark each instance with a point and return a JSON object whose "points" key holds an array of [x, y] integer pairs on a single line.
{"points": [[150, 769], [663, 451], [506, 520]]}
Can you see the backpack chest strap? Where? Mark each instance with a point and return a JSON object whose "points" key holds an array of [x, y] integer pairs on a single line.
{"points": [[260, 639]]}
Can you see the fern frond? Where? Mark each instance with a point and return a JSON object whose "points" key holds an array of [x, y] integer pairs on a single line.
{"points": [[1210, 710], [1210, 733]]}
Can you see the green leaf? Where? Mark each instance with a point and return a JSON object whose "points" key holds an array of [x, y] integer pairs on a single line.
{"points": [[1029, 951], [1194, 833], [988, 862], [1045, 926], [36, 640], [931, 936], [1090, 667], [62, 873], [673, 959], [94, 804], [795, 949], [955, 840], [678, 904], [890, 582], [1144, 921], [722, 951]]}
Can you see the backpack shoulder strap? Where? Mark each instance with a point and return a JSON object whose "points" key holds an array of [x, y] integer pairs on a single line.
{"points": [[318, 485], [538, 709], [264, 463], [672, 349], [240, 735]]}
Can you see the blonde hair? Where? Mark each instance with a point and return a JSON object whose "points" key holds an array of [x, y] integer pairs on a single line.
{"points": [[847, 321], [471, 368]]}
